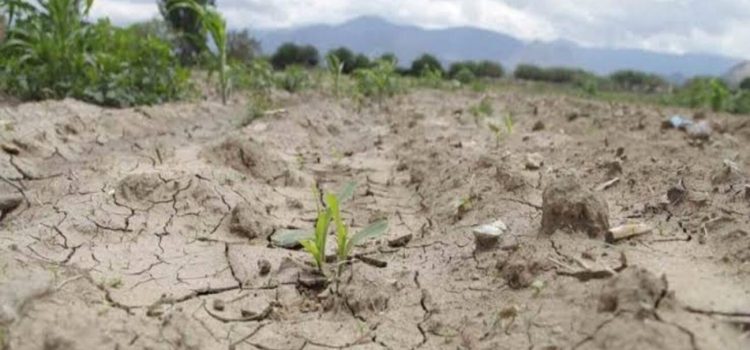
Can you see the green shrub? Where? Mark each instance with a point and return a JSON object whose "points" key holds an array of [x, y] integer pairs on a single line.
{"points": [[294, 79], [52, 52], [291, 54], [378, 82], [425, 62], [465, 76], [637, 81], [559, 75], [489, 69], [745, 84], [741, 102]]}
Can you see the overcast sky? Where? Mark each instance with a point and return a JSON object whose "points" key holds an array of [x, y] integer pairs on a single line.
{"points": [[677, 26]]}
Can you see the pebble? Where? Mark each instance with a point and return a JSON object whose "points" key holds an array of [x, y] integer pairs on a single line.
{"points": [[488, 236], [264, 267], [534, 161], [219, 305]]}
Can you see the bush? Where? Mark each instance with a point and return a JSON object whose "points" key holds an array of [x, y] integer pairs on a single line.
{"points": [[389, 57], [54, 53], [745, 84], [291, 54], [558, 75], [294, 79], [637, 81], [465, 76], [424, 62], [482, 69], [377, 82], [741, 102], [488, 69]]}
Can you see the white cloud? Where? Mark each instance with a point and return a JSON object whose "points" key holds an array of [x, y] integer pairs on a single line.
{"points": [[718, 26]]}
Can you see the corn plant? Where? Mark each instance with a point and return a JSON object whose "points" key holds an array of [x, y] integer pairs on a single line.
{"points": [[215, 26], [377, 82], [315, 242], [335, 68], [294, 79]]}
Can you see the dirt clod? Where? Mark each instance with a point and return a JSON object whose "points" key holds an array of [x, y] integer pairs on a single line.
{"points": [[635, 290], [568, 205], [264, 267], [9, 202], [400, 241], [219, 305], [247, 222], [534, 161]]}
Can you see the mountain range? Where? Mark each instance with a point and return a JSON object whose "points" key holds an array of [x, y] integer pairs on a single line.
{"points": [[374, 36]]}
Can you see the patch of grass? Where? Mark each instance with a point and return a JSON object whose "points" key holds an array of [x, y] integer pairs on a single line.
{"points": [[482, 110]]}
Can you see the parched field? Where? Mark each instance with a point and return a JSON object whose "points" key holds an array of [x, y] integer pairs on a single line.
{"points": [[154, 227]]}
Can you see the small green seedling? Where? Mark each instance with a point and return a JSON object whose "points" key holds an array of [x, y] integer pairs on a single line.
{"points": [[482, 110], [316, 245]]}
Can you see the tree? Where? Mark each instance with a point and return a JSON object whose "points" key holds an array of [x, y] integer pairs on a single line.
{"points": [[745, 84], [389, 57], [638, 81], [361, 62], [489, 69], [187, 23], [345, 57], [241, 47], [290, 54], [426, 61]]}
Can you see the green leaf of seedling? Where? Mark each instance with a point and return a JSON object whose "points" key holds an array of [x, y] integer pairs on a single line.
{"points": [[312, 248], [292, 238], [341, 232], [347, 192], [375, 229], [321, 229]]}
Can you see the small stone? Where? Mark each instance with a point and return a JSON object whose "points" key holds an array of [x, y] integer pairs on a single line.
{"points": [[401, 241], [677, 193], [264, 266], [699, 131], [248, 313], [219, 305], [488, 236], [534, 161], [10, 202], [155, 311], [538, 126], [566, 204]]}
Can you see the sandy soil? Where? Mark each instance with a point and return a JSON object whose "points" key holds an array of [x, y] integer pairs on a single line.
{"points": [[152, 228]]}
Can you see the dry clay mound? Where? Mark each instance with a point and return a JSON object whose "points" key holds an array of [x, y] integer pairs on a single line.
{"points": [[155, 227]]}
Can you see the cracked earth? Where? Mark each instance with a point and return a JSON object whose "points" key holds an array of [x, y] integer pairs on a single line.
{"points": [[152, 228]]}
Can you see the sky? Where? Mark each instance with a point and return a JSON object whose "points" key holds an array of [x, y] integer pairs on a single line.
{"points": [[674, 26]]}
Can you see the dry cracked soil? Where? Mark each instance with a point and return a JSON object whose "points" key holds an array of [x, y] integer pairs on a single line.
{"points": [[153, 227]]}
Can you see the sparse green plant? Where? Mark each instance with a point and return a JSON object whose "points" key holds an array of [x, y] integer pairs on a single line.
{"points": [[431, 77], [482, 110], [719, 95], [294, 79], [335, 68], [257, 107], [378, 82], [331, 212]]}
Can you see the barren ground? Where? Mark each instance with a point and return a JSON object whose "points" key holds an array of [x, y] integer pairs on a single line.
{"points": [[144, 228]]}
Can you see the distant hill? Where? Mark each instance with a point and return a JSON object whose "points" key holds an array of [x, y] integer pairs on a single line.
{"points": [[738, 73], [373, 36]]}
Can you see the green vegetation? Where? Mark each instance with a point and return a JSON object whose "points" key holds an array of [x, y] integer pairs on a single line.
{"points": [[53, 52], [213, 24], [294, 79], [483, 69], [316, 245], [482, 109], [335, 68], [187, 23], [378, 82], [424, 63], [631, 80], [745, 84], [552, 75], [291, 54]]}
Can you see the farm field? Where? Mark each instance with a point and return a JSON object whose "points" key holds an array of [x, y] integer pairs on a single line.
{"points": [[162, 227]]}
